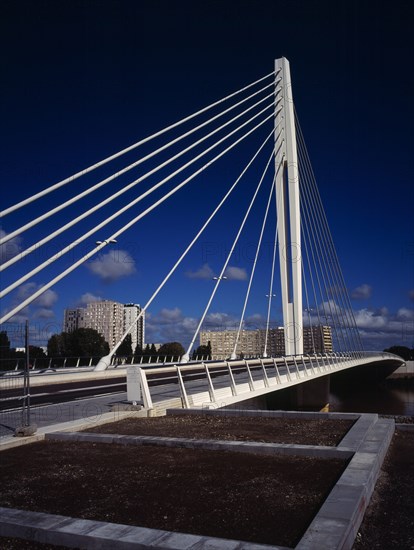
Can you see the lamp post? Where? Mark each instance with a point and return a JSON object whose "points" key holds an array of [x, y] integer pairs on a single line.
{"points": [[270, 296], [107, 241], [27, 428]]}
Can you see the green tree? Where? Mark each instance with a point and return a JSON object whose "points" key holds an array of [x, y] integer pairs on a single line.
{"points": [[4, 345], [138, 351], [203, 351], [87, 342], [37, 357], [36, 352], [153, 350], [82, 342], [406, 353], [5, 352], [58, 345], [125, 349], [171, 349]]}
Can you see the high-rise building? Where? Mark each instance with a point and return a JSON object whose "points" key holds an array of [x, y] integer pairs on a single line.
{"points": [[131, 312], [252, 342], [111, 319]]}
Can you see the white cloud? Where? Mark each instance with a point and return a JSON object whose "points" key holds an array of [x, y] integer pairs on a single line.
{"points": [[25, 290], [380, 329], [113, 265], [236, 273], [43, 313], [362, 292], [223, 321], [220, 321], [169, 325], [47, 299], [205, 272], [18, 318], [366, 318], [40, 309], [88, 298], [10, 249], [168, 315], [405, 314]]}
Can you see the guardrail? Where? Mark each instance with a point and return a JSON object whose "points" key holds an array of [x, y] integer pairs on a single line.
{"points": [[18, 363], [246, 375]]}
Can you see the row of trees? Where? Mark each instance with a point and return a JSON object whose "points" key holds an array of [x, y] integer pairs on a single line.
{"points": [[170, 349], [9, 355], [87, 342], [82, 342], [406, 353]]}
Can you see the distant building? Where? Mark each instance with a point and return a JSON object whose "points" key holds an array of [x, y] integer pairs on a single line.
{"points": [[222, 342], [111, 319], [131, 312], [72, 318], [252, 342]]}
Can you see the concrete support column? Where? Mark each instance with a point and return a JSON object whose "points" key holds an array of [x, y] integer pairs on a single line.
{"points": [[312, 395]]}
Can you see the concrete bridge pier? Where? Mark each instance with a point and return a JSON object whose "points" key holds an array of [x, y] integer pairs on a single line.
{"points": [[313, 394]]}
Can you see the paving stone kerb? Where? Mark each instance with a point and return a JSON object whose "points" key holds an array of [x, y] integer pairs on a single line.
{"points": [[334, 527], [319, 451], [72, 426], [83, 533]]}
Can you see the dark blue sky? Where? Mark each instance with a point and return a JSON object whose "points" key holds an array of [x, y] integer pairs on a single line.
{"points": [[83, 79]]}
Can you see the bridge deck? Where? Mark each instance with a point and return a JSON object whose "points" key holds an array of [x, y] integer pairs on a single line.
{"points": [[219, 384]]}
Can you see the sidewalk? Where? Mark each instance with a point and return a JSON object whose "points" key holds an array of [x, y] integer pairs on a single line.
{"points": [[73, 415]]}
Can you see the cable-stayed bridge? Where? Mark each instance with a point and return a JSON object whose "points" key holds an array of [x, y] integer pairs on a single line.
{"points": [[256, 129]]}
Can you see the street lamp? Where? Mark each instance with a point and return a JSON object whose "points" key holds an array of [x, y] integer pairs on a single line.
{"points": [[107, 241]]}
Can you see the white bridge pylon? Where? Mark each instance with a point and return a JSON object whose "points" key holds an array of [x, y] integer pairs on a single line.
{"points": [[263, 109], [288, 213]]}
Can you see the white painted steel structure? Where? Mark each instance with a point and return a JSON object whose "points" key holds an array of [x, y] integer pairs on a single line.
{"points": [[264, 108], [222, 383], [288, 213]]}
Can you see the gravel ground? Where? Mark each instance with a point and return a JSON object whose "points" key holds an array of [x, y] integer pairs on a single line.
{"points": [[266, 499], [243, 478], [388, 523]]}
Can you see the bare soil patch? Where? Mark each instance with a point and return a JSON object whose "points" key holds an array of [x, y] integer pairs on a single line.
{"points": [[267, 430], [223, 494]]}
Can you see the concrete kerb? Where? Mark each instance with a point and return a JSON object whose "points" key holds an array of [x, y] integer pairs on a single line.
{"points": [[334, 527], [82, 533], [404, 427], [317, 451], [337, 522], [72, 426]]}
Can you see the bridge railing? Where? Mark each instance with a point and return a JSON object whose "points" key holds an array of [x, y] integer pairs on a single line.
{"points": [[47, 363], [15, 365], [151, 359], [238, 376]]}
